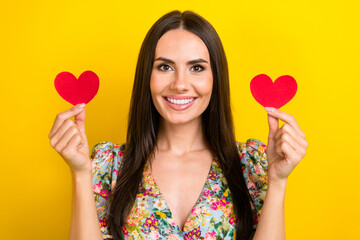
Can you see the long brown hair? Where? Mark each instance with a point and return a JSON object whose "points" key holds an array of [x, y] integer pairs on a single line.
{"points": [[144, 122]]}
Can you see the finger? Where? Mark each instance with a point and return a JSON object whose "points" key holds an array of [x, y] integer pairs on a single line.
{"points": [[279, 151], [288, 153], [286, 118], [286, 149], [67, 124], [80, 121], [71, 149], [61, 117], [287, 128], [291, 141], [64, 141], [273, 125]]}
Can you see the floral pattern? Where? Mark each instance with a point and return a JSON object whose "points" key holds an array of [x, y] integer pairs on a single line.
{"points": [[150, 218]]}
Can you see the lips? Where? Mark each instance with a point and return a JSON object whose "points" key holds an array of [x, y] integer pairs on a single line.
{"points": [[179, 103]]}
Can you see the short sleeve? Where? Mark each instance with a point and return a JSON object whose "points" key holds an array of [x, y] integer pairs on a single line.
{"points": [[254, 165], [106, 161]]}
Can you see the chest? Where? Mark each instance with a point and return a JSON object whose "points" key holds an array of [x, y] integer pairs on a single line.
{"points": [[181, 183], [211, 211]]}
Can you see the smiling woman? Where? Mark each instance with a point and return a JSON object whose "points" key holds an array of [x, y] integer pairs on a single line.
{"points": [[180, 139], [181, 59], [181, 80]]}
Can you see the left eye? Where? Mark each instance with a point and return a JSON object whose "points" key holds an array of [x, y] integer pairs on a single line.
{"points": [[197, 68]]}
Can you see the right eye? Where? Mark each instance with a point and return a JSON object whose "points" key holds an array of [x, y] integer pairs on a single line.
{"points": [[164, 67]]}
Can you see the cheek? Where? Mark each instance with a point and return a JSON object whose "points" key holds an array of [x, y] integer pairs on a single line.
{"points": [[205, 86], [155, 85]]}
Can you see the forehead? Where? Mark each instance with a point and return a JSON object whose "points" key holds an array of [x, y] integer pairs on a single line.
{"points": [[180, 44]]}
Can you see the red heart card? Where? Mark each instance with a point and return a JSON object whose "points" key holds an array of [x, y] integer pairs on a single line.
{"points": [[75, 90], [273, 94]]}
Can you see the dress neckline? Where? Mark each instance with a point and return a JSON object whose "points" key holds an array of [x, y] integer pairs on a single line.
{"points": [[149, 175]]}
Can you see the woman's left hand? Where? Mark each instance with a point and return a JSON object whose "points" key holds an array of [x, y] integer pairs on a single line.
{"points": [[286, 146]]}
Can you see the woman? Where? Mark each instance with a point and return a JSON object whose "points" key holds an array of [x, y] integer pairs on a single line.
{"points": [[180, 135]]}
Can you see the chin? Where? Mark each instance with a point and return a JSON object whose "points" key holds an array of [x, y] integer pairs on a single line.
{"points": [[180, 120]]}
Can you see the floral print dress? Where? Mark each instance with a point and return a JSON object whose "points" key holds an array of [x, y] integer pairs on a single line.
{"points": [[211, 217]]}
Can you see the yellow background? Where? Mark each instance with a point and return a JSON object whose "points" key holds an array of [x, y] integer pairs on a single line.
{"points": [[317, 42]]}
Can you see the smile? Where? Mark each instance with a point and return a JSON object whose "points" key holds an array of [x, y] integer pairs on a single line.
{"points": [[180, 101], [179, 104]]}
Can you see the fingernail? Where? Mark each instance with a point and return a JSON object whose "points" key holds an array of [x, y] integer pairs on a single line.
{"points": [[80, 106], [269, 109]]}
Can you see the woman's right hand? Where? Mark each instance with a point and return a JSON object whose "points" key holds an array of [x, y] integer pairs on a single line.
{"points": [[68, 138]]}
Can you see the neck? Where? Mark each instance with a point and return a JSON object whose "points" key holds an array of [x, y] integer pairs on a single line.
{"points": [[180, 139]]}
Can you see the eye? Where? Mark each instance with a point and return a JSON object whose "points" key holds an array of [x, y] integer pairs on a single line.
{"points": [[197, 68], [164, 67]]}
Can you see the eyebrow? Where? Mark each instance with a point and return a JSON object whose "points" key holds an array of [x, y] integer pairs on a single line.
{"points": [[199, 60]]}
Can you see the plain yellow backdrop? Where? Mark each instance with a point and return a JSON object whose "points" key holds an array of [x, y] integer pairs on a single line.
{"points": [[317, 42]]}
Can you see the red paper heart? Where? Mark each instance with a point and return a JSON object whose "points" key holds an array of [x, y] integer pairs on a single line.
{"points": [[75, 90], [270, 94]]}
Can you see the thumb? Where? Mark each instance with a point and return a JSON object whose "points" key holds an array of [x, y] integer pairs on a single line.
{"points": [[273, 127], [80, 121]]}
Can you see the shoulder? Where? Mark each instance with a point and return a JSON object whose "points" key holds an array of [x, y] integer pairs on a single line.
{"points": [[107, 151], [253, 156], [252, 147], [106, 160], [254, 166]]}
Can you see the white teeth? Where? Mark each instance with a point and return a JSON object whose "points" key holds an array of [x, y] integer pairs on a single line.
{"points": [[180, 102]]}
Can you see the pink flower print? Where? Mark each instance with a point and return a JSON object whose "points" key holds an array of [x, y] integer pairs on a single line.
{"points": [[206, 192], [215, 188], [93, 165], [171, 222], [173, 237], [194, 234], [212, 175], [228, 209], [210, 236], [154, 234], [135, 216], [121, 154], [125, 231], [213, 206], [232, 221], [261, 148], [196, 211], [223, 201], [100, 209], [257, 168], [252, 144], [151, 223], [250, 185], [97, 187], [104, 193], [264, 146], [189, 224], [103, 222]]}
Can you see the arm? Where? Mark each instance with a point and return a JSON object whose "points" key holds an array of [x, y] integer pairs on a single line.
{"points": [[271, 224], [285, 149], [68, 138], [84, 220]]}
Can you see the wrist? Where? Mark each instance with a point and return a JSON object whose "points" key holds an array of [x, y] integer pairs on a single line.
{"points": [[279, 184], [81, 175]]}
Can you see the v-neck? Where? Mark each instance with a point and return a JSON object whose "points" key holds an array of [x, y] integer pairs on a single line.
{"points": [[149, 175]]}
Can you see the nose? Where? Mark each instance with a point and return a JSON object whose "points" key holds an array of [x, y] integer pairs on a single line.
{"points": [[180, 82]]}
